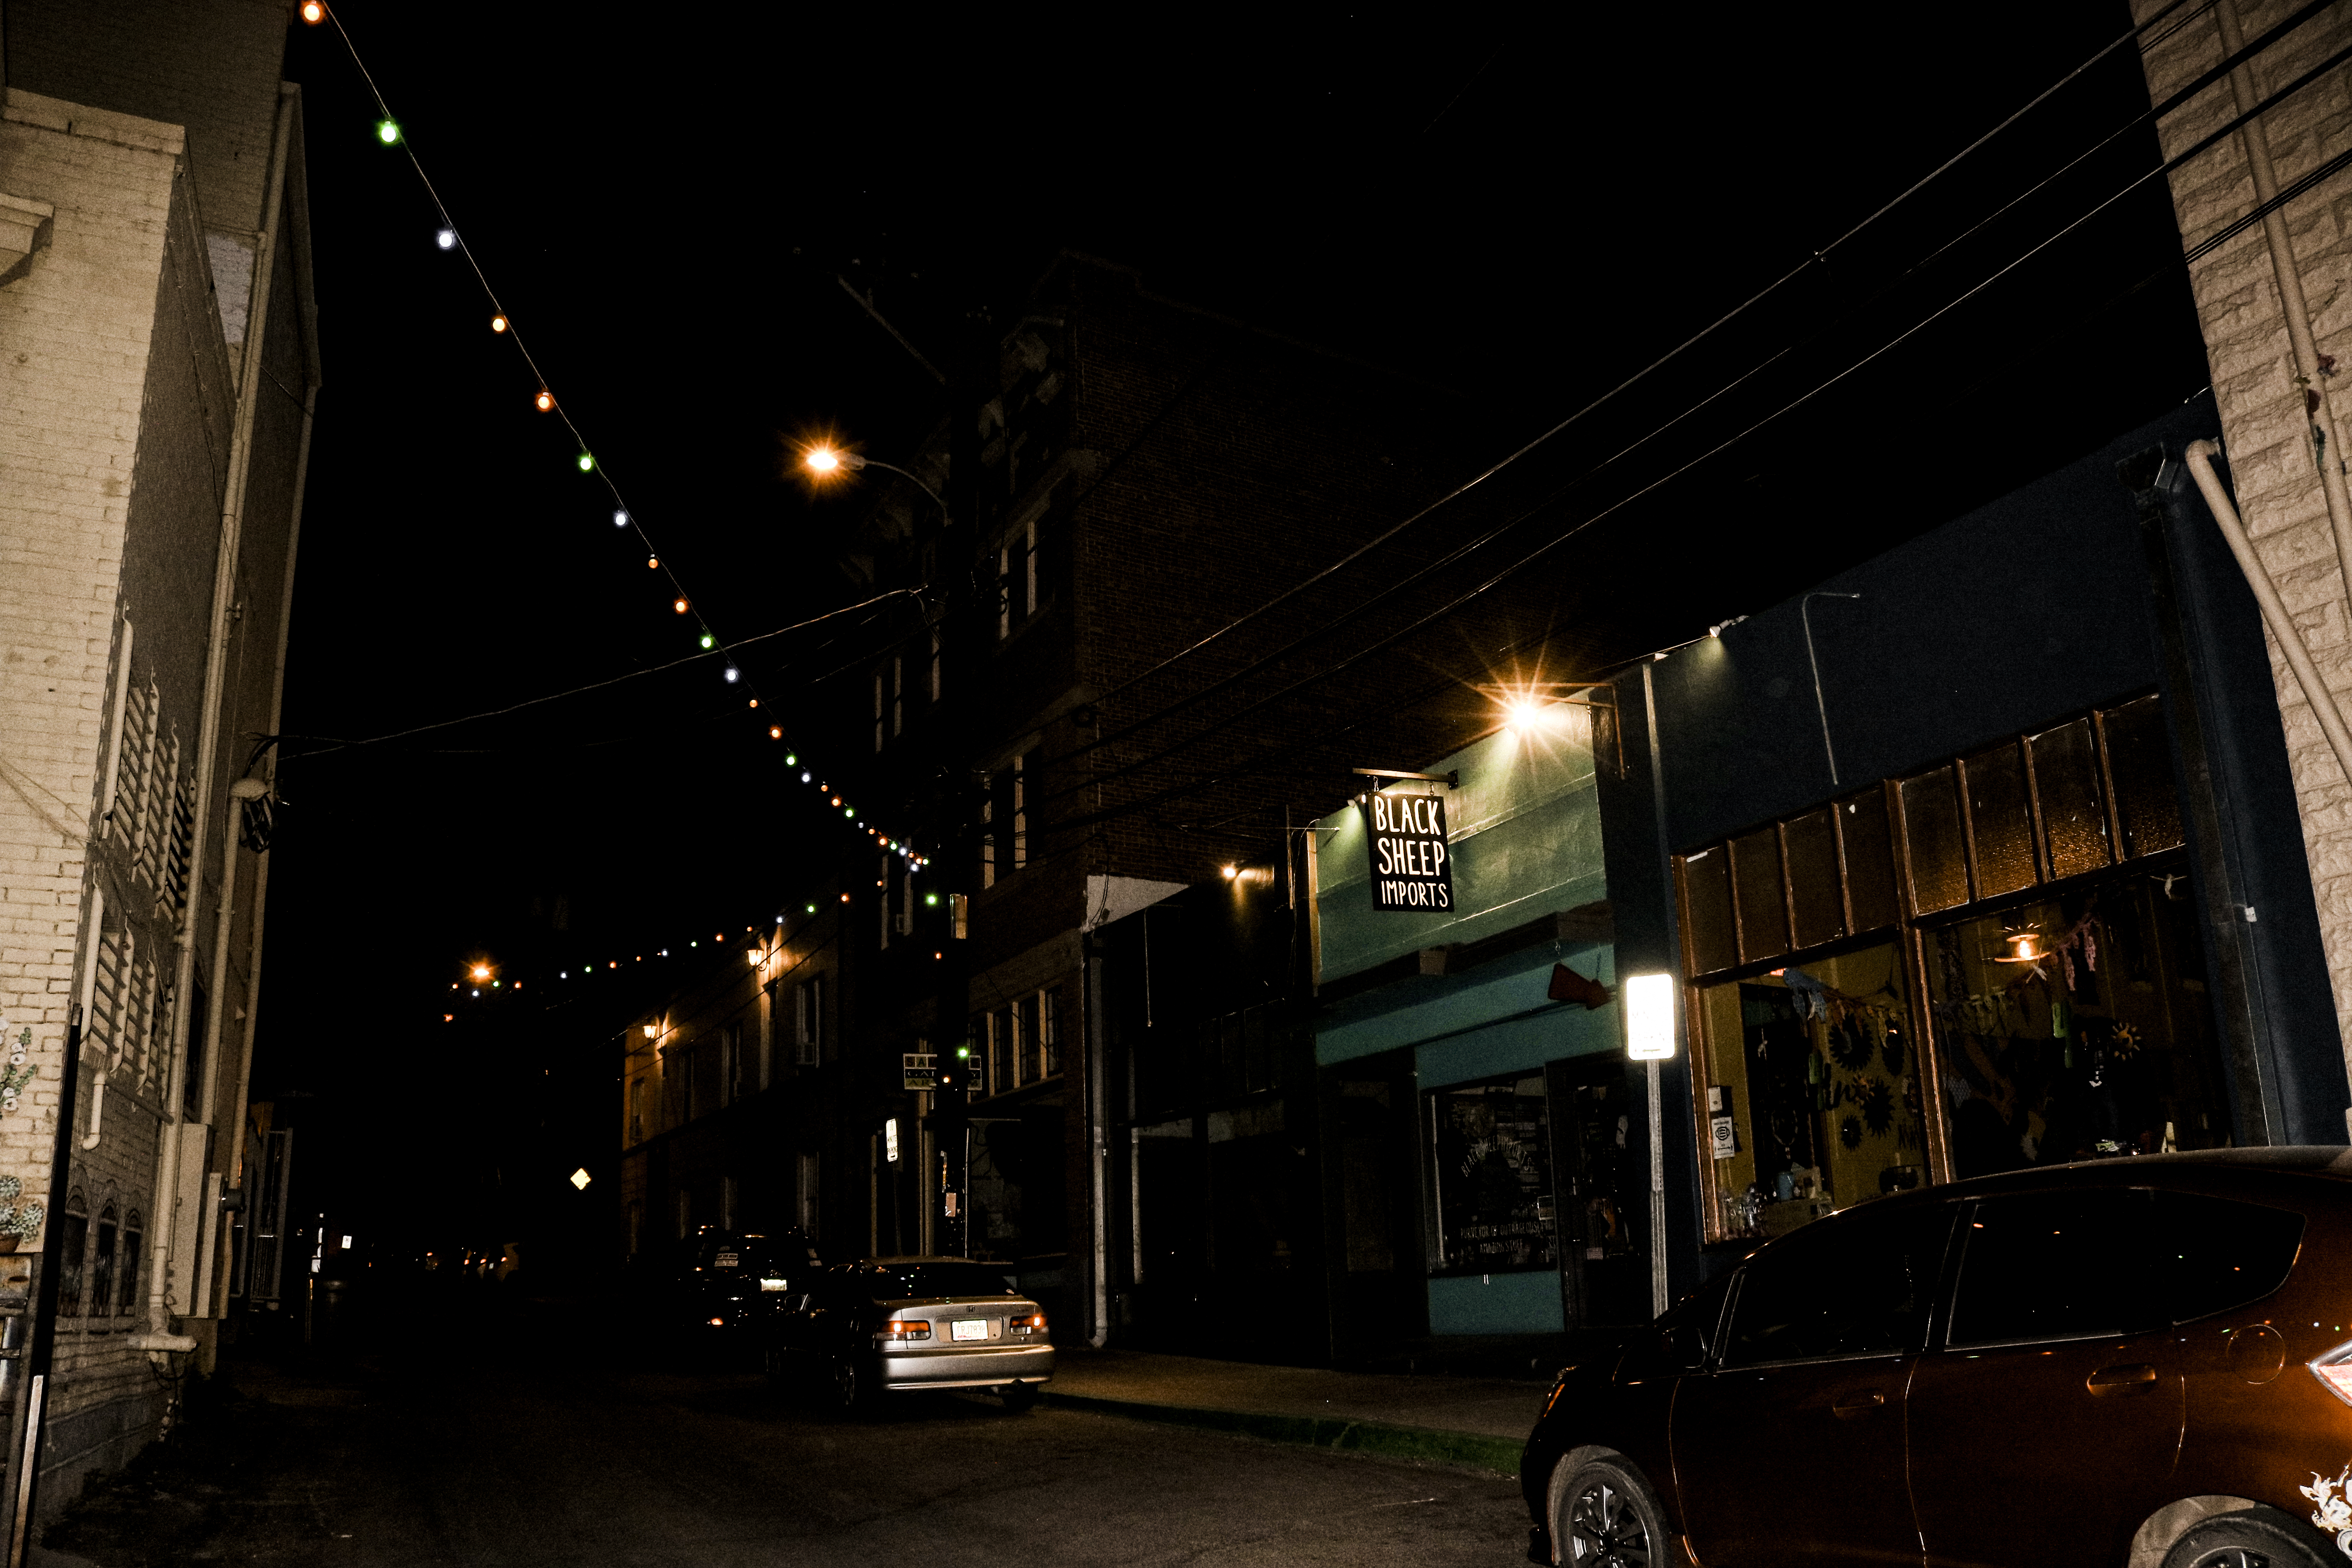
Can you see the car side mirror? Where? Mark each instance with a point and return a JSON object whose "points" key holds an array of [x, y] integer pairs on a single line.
{"points": [[1681, 1348]]}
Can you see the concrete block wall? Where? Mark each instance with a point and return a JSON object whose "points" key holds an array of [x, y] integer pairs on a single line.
{"points": [[2274, 462]]}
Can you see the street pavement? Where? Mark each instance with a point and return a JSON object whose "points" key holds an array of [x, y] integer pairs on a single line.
{"points": [[501, 1445]]}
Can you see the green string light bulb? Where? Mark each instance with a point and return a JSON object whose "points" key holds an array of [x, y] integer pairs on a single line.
{"points": [[386, 132]]}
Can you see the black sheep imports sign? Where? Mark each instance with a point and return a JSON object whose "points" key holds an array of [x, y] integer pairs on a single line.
{"points": [[1411, 870]]}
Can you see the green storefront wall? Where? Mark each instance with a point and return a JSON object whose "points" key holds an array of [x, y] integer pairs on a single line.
{"points": [[1523, 838]]}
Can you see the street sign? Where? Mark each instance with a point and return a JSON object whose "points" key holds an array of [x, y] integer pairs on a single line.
{"points": [[1649, 1017], [922, 1070], [1405, 837]]}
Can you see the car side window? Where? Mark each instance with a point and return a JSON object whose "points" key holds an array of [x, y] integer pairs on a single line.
{"points": [[1858, 1285], [2057, 1265], [2215, 1253]]}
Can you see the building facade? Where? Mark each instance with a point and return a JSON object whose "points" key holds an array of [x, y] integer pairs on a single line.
{"points": [[159, 342]]}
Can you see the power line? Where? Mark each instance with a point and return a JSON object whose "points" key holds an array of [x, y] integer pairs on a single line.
{"points": [[1816, 259], [1226, 722]]}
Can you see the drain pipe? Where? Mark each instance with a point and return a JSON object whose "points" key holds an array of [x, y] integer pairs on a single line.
{"points": [[2309, 375], [2200, 457]]}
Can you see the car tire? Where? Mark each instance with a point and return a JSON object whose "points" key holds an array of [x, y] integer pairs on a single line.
{"points": [[1018, 1397], [1604, 1515], [2256, 1537], [847, 1387]]}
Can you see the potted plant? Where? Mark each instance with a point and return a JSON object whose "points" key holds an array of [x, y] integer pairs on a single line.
{"points": [[18, 1222]]}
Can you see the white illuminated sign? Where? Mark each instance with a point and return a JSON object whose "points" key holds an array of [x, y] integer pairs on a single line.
{"points": [[1649, 1017], [890, 1140]]}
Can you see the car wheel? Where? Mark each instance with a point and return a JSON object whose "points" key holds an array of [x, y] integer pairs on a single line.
{"points": [[2256, 1537], [1604, 1515], [1018, 1396], [849, 1387]]}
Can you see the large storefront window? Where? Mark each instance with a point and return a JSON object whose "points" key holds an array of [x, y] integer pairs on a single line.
{"points": [[1989, 963], [1814, 1101], [1491, 1148], [2076, 1029]]}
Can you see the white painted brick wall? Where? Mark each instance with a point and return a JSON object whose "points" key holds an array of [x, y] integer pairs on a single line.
{"points": [[2272, 460]]}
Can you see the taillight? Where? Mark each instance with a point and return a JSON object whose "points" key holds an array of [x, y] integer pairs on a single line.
{"points": [[899, 1331], [2333, 1370], [1032, 1324]]}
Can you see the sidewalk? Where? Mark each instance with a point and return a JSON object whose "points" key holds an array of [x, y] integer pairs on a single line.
{"points": [[1480, 1422]]}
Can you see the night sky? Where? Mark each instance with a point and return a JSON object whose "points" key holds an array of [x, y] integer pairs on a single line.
{"points": [[1524, 209]]}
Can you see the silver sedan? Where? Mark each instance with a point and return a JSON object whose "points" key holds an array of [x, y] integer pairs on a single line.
{"points": [[907, 1324]]}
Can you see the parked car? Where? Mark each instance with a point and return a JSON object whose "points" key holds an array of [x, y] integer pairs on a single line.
{"points": [[723, 1282], [901, 1325], [2141, 1362]]}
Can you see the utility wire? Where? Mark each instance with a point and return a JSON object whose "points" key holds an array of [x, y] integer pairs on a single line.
{"points": [[1396, 586], [343, 745], [2202, 145], [1817, 257]]}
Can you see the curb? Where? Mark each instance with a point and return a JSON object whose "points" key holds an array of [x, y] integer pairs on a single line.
{"points": [[1497, 1455]]}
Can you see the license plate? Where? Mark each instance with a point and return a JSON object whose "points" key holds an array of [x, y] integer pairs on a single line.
{"points": [[969, 1329], [774, 1284], [726, 1260]]}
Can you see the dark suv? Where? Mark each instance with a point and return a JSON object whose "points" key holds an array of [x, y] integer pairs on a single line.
{"points": [[2141, 1363]]}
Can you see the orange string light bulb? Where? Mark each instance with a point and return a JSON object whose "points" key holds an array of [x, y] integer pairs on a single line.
{"points": [[545, 401], [497, 323]]}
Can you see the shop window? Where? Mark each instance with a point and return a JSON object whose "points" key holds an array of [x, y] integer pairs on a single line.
{"points": [[1816, 893], [2074, 806], [2139, 760], [1706, 895], [2103, 1047], [1811, 1083], [2002, 820], [102, 1262], [73, 1243], [1763, 906], [1493, 1176], [1931, 822], [1869, 847], [134, 1242], [1861, 1288]]}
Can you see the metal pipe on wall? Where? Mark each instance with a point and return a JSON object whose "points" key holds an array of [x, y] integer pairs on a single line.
{"points": [[2292, 303], [2200, 457]]}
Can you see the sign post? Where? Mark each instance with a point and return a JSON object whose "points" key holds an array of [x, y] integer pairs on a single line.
{"points": [[1649, 1039]]}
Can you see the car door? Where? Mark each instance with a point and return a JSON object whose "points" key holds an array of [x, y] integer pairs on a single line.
{"points": [[2046, 1425], [1790, 1447]]}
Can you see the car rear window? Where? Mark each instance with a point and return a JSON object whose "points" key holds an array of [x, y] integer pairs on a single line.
{"points": [[891, 1280], [2219, 1254], [2051, 1266]]}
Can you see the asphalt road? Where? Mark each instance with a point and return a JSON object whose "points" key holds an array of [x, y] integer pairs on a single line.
{"points": [[499, 1449]]}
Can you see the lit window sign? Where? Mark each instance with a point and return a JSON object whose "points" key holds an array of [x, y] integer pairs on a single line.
{"points": [[890, 1140], [1649, 1017], [1405, 835]]}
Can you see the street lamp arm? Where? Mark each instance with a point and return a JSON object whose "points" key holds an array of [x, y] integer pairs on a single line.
{"points": [[856, 462]]}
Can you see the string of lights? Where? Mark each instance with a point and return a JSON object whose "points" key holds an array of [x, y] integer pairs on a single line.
{"points": [[390, 133]]}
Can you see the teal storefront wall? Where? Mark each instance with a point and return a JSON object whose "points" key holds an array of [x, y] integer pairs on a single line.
{"points": [[1524, 834]]}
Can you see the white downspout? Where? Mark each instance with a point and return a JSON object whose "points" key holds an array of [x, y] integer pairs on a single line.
{"points": [[159, 1336], [2199, 457], [2319, 418], [90, 988]]}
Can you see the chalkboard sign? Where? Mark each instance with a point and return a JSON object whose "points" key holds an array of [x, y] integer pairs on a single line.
{"points": [[1411, 867], [1493, 1174]]}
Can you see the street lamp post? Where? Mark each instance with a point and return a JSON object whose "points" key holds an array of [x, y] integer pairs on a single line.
{"points": [[831, 460]]}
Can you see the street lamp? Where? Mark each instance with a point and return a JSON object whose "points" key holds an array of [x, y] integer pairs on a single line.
{"points": [[824, 460]]}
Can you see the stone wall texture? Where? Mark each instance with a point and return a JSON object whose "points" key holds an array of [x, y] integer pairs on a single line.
{"points": [[2273, 458]]}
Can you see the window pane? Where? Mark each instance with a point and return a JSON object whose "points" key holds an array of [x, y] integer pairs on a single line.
{"points": [[1845, 1287], [2004, 827], [1931, 816], [1813, 878], [1763, 916], [2073, 816], [1869, 861], [1707, 882], [2140, 762], [2220, 1254], [2051, 1266], [1493, 1173]]}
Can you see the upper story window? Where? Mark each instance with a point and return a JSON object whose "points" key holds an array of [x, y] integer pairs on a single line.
{"points": [[1016, 579], [2074, 798], [1018, 1044], [808, 1021], [1004, 819]]}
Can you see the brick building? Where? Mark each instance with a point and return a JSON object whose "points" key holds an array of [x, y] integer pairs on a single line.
{"points": [[1121, 476], [157, 333], [2264, 218]]}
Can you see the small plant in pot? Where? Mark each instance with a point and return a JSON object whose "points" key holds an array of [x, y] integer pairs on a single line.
{"points": [[18, 1222]]}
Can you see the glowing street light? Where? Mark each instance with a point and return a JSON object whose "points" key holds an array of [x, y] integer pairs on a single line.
{"points": [[478, 973], [824, 460]]}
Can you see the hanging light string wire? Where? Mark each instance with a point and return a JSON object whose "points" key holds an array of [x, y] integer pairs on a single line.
{"points": [[393, 133]]}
